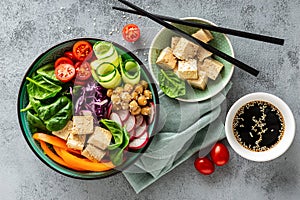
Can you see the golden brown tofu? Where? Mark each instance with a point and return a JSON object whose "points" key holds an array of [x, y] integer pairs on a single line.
{"points": [[212, 67], [76, 141], [187, 69], [93, 153], [203, 35], [100, 138], [185, 50], [203, 53], [166, 59], [201, 82], [65, 132], [83, 124]]}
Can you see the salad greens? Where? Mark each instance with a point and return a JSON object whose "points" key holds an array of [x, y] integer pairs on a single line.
{"points": [[120, 139], [48, 72], [170, 84]]}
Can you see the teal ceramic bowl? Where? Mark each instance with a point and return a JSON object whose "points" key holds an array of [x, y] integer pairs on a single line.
{"points": [[220, 42], [50, 56]]}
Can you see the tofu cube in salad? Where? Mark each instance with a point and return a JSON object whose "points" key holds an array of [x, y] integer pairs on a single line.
{"points": [[201, 82], [65, 132], [203, 35], [185, 50], [202, 54], [174, 42], [166, 59], [212, 67], [76, 141], [93, 153], [83, 124], [187, 69], [100, 138]]}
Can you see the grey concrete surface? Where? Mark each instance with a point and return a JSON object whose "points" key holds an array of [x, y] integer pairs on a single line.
{"points": [[29, 27]]}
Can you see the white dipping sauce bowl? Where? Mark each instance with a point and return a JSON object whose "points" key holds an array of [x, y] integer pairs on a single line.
{"points": [[283, 144]]}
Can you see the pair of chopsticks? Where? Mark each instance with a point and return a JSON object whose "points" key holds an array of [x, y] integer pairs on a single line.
{"points": [[160, 19]]}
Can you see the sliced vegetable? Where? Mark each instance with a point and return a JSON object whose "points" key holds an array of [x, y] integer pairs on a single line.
{"points": [[130, 123], [107, 75], [48, 72], [65, 72], [82, 50], [131, 32], [70, 55], [140, 142], [130, 71], [83, 71], [63, 60], [170, 84], [115, 117], [124, 114], [40, 87], [140, 130]]}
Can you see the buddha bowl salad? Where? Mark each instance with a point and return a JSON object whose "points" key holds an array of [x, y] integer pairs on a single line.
{"points": [[89, 108]]}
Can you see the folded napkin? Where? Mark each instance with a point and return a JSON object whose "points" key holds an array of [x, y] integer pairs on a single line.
{"points": [[185, 128]]}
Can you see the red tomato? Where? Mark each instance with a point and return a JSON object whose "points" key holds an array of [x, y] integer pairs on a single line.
{"points": [[82, 50], [131, 32], [69, 54], [204, 165], [219, 154], [65, 72], [63, 60], [83, 71]]}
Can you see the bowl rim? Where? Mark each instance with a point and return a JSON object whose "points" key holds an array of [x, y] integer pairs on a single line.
{"points": [[109, 172], [278, 149], [213, 93]]}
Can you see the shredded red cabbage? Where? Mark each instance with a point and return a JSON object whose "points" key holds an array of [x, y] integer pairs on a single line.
{"points": [[91, 99]]}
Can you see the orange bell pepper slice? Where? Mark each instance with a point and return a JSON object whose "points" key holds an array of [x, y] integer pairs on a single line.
{"points": [[54, 140], [56, 158], [85, 164]]}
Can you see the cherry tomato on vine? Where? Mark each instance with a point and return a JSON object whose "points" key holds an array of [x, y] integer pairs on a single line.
{"points": [[204, 165], [63, 60], [219, 154], [131, 32], [65, 72], [82, 50], [83, 71]]}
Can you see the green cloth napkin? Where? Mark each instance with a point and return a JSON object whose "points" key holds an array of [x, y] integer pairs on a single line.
{"points": [[185, 128]]}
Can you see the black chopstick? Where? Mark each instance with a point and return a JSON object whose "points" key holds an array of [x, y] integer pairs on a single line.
{"points": [[215, 51], [237, 33]]}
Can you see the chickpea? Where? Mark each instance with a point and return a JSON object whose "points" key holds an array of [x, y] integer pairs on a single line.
{"points": [[146, 110], [144, 84], [142, 101], [136, 111], [115, 99], [133, 105], [134, 95], [139, 89], [118, 90], [126, 97], [147, 94], [109, 92], [128, 87]]}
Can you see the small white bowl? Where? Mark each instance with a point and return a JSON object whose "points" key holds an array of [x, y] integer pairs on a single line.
{"points": [[280, 147]]}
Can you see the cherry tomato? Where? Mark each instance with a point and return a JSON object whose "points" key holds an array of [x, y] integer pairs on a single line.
{"points": [[63, 60], [69, 54], [82, 50], [204, 165], [65, 72], [131, 32], [219, 154], [83, 71]]}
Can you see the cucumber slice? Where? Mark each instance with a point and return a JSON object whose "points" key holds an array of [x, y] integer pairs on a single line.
{"points": [[131, 72], [103, 49], [107, 75]]}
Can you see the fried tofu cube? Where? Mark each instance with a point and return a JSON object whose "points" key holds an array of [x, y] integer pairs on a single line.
{"points": [[203, 53], [212, 67], [83, 124], [188, 69], [185, 50], [65, 132], [174, 42], [203, 35], [100, 138], [201, 82], [166, 59], [76, 141], [93, 153]]}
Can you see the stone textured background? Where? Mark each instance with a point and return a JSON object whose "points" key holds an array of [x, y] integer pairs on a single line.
{"points": [[29, 27]]}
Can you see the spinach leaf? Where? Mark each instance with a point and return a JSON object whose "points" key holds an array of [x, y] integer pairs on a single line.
{"points": [[170, 84], [35, 123], [57, 114], [48, 72], [121, 140], [40, 87]]}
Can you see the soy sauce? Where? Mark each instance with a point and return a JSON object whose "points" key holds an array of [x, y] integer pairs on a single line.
{"points": [[258, 126]]}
